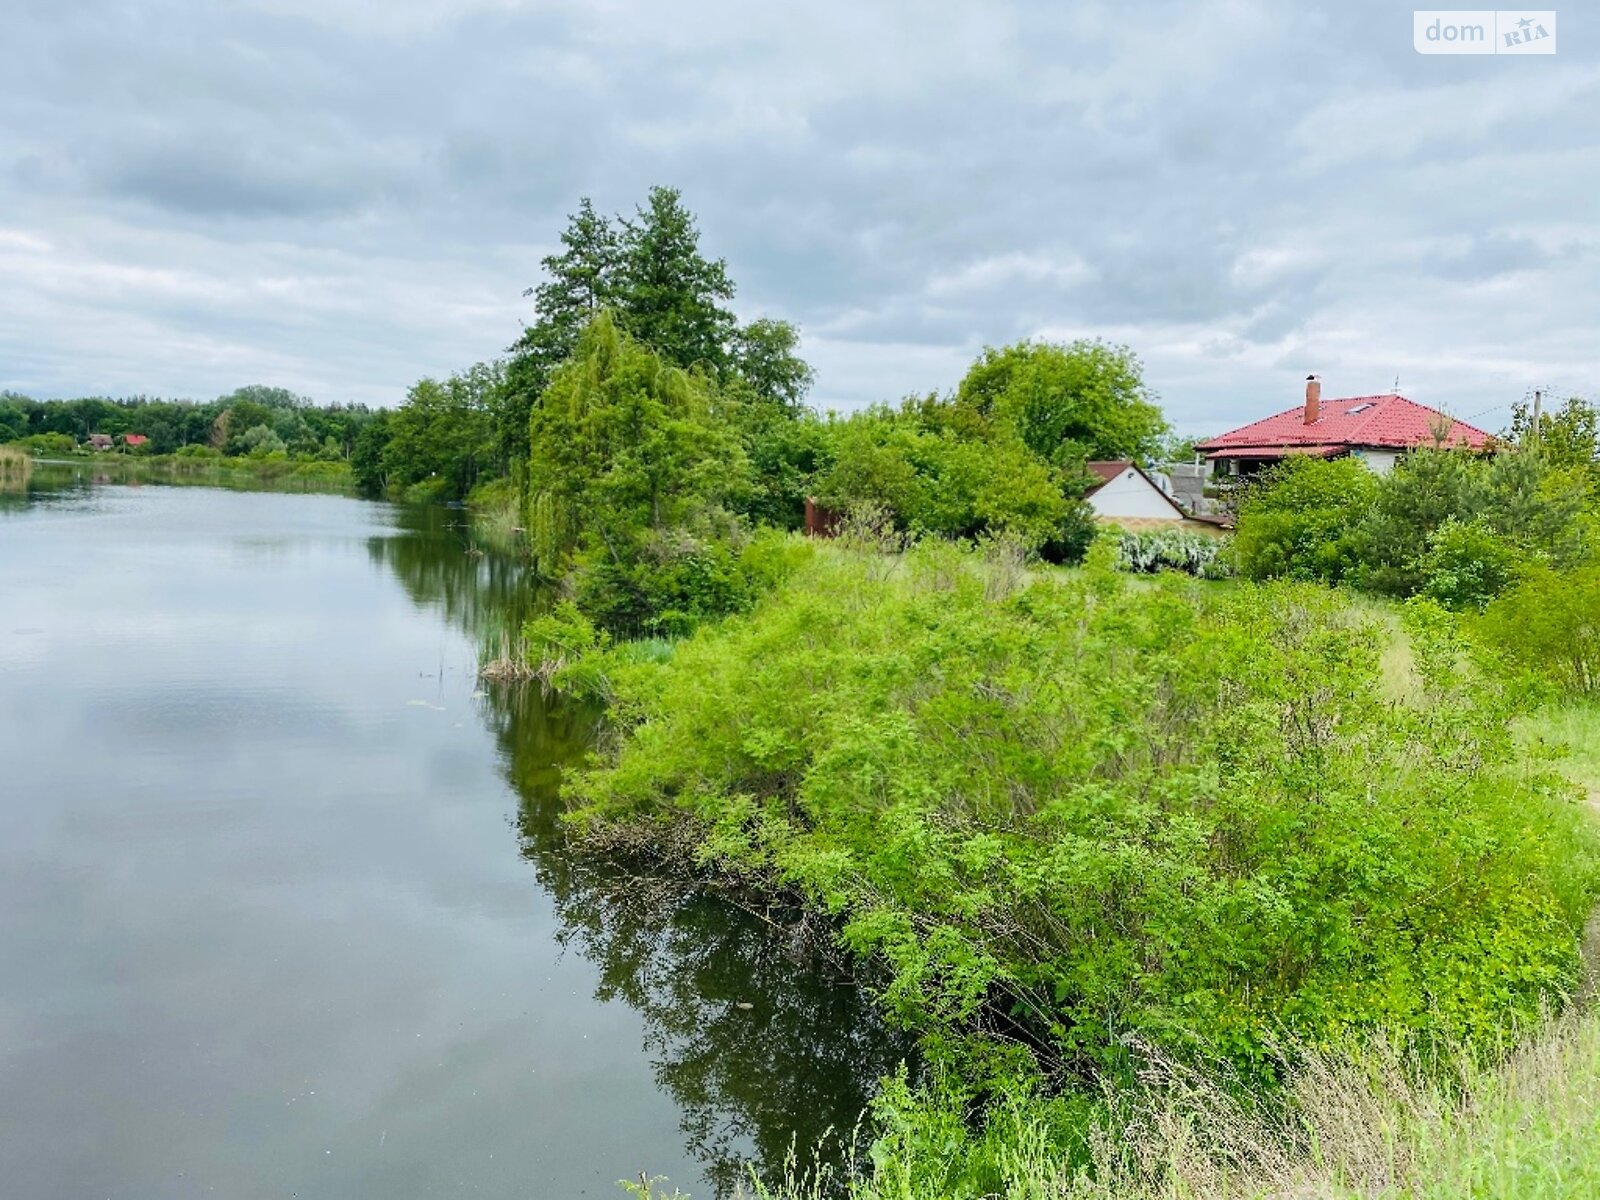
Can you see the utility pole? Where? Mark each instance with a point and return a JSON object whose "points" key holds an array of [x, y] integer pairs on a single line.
{"points": [[1538, 403]]}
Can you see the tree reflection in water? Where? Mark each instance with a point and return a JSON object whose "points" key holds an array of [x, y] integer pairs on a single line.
{"points": [[762, 1039]]}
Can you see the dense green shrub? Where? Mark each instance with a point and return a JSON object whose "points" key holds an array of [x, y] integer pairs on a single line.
{"points": [[1448, 523], [931, 480], [1532, 508], [1549, 625], [1302, 519], [50, 444], [1467, 564], [1083, 812]]}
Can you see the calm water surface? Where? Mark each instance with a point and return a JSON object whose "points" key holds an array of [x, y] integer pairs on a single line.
{"points": [[283, 908]]}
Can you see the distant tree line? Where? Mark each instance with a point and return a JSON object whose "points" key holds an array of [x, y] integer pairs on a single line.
{"points": [[252, 421]]}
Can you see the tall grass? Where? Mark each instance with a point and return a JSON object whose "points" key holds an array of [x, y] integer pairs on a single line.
{"points": [[16, 466], [1374, 1124]]}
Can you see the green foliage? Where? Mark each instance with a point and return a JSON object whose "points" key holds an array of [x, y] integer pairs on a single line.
{"points": [[1088, 811], [1467, 564], [367, 456], [579, 282], [1549, 626], [936, 482], [767, 355], [442, 436], [1518, 497], [649, 274], [633, 483], [1157, 550], [48, 445], [306, 429], [1303, 519], [1067, 403], [786, 451], [1568, 436], [13, 419], [1446, 523], [257, 442]]}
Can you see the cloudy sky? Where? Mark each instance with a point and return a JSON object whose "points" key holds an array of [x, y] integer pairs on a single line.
{"points": [[340, 197]]}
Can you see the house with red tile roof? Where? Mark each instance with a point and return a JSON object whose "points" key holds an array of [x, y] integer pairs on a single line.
{"points": [[1376, 429]]}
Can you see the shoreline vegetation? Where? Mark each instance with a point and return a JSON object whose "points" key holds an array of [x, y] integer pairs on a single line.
{"points": [[251, 473], [1436, 1096]]}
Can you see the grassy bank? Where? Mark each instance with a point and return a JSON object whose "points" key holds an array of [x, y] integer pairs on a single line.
{"points": [[1135, 858]]}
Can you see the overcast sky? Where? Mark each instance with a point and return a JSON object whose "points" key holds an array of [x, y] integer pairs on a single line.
{"points": [[341, 197]]}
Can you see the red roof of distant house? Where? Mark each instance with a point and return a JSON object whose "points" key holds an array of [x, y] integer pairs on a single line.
{"points": [[1105, 472], [1386, 422], [135, 439]]}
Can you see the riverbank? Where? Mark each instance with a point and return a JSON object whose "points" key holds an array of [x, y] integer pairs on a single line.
{"points": [[1097, 832]]}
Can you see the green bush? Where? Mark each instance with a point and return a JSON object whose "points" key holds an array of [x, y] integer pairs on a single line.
{"points": [[1302, 519], [1086, 813], [1467, 564], [50, 444], [1549, 626], [666, 590]]}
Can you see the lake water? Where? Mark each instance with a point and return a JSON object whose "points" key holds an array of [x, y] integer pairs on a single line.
{"points": [[284, 908]]}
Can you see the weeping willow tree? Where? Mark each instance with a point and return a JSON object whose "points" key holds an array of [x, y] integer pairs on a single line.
{"points": [[629, 456]]}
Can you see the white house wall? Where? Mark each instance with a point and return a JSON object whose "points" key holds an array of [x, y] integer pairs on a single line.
{"points": [[1379, 462], [1131, 495]]}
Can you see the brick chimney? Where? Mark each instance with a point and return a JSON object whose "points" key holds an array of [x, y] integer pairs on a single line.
{"points": [[1313, 399]]}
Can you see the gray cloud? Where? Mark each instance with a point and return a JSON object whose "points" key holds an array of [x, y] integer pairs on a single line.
{"points": [[340, 197]]}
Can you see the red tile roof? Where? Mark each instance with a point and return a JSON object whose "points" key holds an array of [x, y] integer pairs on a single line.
{"points": [[135, 439], [1389, 421]]}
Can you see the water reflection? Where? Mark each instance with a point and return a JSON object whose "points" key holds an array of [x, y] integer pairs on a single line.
{"points": [[757, 1032]]}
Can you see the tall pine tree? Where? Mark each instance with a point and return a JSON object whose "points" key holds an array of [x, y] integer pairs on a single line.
{"points": [[580, 282], [669, 295]]}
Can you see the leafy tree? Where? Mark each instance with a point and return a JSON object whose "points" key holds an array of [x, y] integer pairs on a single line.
{"points": [[259, 441], [239, 419], [1083, 400], [367, 456], [632, 479], [1567, 437], [442, 435], [766, 353], [13, 420]]}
